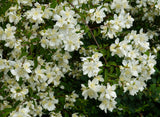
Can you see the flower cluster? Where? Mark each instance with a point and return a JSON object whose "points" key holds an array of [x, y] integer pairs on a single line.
{"points": [[137, 65], [105, 94], [55, 56], [112, 27], [70, 100]]}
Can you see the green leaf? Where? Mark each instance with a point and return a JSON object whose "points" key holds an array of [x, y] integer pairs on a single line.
{"points": [[108, 54], [6, 112], [111, 69], [92, 46], [112, 63], [35, 40], [105, 75], [112, 75], [89, 34], [53, 4], [20, 82], [95, 33], [35, 63], [103, 51], [66, 114], [147, 53], [23, 54], [29, 57]]}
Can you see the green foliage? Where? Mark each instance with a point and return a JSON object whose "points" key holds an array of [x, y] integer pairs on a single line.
{"points": [[5, 5], [144, 104]]}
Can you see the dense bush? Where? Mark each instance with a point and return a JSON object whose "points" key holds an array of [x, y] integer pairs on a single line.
{"points": [[79, 58]]}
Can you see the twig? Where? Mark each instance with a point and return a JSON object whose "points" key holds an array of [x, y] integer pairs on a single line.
{"points": [[89, 30]]}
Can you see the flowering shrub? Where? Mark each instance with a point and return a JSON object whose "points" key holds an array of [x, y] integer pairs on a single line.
{"points": [[78, 57]]}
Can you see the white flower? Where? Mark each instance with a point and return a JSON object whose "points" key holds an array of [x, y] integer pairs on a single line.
{"points": [[134, 86], [60, 20], [93, 85], [158, 4], [119, 5], [44, 43], [2, 64], [47, 13], [18, 93], [50, 105], [67, 14], [110, 91], [35, 15], [22, 112], [96, 56], [8, 36], [107, 105], [19, 72], [40, 75], [98, 14], [114, 46], [25, 2], [71, 40], [49, 102], [26, 66], [91, 65], [91, 68], [75, 115], [88, 92], [53, 114]]}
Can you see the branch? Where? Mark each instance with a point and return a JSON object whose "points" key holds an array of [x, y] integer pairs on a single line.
{"points": [[89, 30]]}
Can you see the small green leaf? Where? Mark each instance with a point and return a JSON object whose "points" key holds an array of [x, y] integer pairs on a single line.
{"points": [[111, 69], [103, 51], [112, 63], [66, 114], [105, 75], [53, 4], [92, 46]]}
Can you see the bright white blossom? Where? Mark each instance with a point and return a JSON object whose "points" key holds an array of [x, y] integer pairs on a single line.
{"points": [[50, 60], [91, 65]]}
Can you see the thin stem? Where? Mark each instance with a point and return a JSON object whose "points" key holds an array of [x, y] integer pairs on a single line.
{"points": [[89, 30]]}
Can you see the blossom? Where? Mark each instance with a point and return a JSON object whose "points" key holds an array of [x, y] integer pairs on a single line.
{"points": [[12, 14], [22, 112], [49, 102], [60, 20], [25, 2], [18, 93], [26, 66], [91, 65], [107, 105], [119, 5], [67, 13], [9, 36], [47, 13], [110, 93], [40, 45], [53, 114], [35, 15], [88, 92], [98, 14], [91, 68], [19, 72]]}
